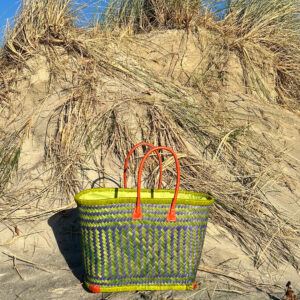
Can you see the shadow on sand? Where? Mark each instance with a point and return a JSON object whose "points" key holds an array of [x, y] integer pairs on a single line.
{"points": [[65, 226]]}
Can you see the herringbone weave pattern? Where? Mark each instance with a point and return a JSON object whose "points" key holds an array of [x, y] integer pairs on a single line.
{"points": [[121, 252]]}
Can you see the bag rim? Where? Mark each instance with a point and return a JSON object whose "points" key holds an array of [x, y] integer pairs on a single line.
{"points": [[199, 199]]}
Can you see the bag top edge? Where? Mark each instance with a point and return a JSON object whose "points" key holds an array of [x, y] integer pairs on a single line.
{"points": [[194, 198]]}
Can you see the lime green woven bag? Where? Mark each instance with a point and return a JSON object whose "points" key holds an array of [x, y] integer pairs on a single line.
{"points": [[156, 247]]}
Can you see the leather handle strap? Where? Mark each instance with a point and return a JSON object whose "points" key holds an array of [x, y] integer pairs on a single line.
{"points": [[127, 160], [137, 213]]}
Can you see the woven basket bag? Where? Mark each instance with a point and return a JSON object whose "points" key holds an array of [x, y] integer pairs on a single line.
{"points": [[156, 247]]}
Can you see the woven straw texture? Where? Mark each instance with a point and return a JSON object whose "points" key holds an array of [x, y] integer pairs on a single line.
{"points": [[122, 254]]}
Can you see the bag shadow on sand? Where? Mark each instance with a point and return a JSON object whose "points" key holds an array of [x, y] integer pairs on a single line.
{"points": [[65, 226]]}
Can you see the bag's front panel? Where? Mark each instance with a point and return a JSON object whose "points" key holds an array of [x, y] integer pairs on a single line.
{"points": [[118, 251]]}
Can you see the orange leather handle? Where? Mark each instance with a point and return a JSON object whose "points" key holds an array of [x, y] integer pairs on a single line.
{"points": [[137, 213], [127, 160]]}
